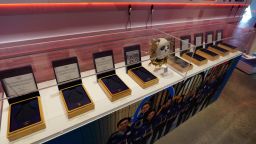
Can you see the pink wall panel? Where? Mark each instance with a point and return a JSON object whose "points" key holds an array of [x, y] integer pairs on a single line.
{"points": [[84, 47], [37, 25], [37, 36], [51, 35]]}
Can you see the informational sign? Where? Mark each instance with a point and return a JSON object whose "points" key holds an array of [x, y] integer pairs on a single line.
{"points": [[133, 57], [219, 36], [67, 72], [209, 38], [20, 85], [185, 44], [104, 63], [199, 40]]}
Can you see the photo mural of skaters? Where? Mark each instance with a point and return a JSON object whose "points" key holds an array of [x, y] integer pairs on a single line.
{"points": [[186, 95], [156, 115], [119, 127], [148, 121], [212, 82]]}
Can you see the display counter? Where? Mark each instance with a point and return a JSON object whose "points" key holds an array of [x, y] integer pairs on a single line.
{"points": [[57, 122], [152, 49]]}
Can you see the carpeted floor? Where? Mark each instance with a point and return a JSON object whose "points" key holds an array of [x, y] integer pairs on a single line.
{"points": [[230, 120]]}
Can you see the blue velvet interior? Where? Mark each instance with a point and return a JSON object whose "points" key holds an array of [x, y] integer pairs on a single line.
{"points": [[143, 74], [196, 56], [233, 47], [24, 114], [220, 49], [75, 97], [114, 84], [180, 62], [209, 52]]}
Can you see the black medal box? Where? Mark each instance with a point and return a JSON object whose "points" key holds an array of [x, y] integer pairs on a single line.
{"points": [[143, 77], [195, 58], [135, 70], [110, 83], [207, 54], [25, 117], [227, 47], [114, 87], [179, 64], [218, 50], [74, 96], [25, 114]]}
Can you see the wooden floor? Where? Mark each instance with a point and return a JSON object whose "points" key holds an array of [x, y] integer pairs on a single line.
{"points": [[230, 120]]}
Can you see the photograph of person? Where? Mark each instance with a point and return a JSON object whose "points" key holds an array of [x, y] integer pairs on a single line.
{"points": [[149, 124], [146, 124], [145, 108], [123, 133]]}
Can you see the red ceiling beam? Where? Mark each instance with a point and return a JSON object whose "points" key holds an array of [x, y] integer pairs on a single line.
{"points": [[83, 4], [33, 8]]}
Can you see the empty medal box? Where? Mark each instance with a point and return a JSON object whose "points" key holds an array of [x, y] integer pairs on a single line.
{"points": [[179, 64], [74, 96], [25, 113], [195, 58], [218, 50], [207, 54]]}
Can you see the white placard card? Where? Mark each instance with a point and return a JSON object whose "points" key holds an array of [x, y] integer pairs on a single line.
{"points": [[67, 72], [219, 36], [185, 44], [209, 38], [133, 57], [198, 41], [20, 85], [104, 63]]}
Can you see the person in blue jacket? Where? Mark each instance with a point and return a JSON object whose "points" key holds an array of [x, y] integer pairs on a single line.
{"points": [[171, 114], [198, 99], [142, 129], [137, 132], [182, 110], [144, 109], [137, 126], [149, 124], [160, 120], [190, 102], [211, 87], [123, 133]]}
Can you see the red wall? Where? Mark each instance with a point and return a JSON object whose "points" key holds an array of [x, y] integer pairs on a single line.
{"points": [[39, 37]]}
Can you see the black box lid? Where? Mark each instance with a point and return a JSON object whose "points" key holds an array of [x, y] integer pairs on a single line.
{"points": [[67, 72], [132, 57], [19, 84], [104, 63]]}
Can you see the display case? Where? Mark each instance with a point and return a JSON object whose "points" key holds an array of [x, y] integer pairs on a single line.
{"points": [[25, 114], [73, 68], [134, 68], [147, 61], [73, 94], [103, 67]]}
